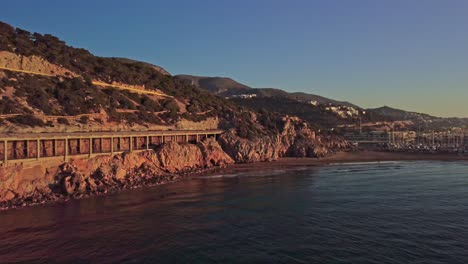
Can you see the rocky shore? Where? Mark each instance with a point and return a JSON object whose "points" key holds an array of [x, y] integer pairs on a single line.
{"points": [[22, 186], [106, 174]]}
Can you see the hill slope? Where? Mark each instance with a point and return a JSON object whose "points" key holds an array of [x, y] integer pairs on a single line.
{"points": [[419, 120], [320, 111], [218, 85], [228, 87], [56, 87], [397, 114], [155, 67]]}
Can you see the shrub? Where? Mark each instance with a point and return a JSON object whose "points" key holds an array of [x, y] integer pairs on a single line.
{"points": [[131, 118], [7, 106], [63, 121], [84, 119], [28, 120], [148, 117], [170, 105]]}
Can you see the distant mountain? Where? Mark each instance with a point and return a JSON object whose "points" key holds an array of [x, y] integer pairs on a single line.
{"points": [[49, 86], [45, 82], [218, 85], [301, 97], [420, 120], [319, 110], [398, 114], [228, 87]]}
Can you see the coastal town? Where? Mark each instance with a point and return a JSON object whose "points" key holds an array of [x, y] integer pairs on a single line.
{"points": [[451, 141]]}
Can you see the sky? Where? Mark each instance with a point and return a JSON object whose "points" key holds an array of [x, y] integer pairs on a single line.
{"points": [[406, 54]]}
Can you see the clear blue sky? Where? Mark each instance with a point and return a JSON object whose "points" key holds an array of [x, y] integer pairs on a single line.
{"points": [[406, 54]]}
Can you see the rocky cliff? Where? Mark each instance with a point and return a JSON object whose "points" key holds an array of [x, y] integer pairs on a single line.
{"points": [[82, 177], [20, 185], [46, 85], [296, 139]]}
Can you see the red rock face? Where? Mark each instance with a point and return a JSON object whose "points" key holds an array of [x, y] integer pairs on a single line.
{"points": [[247, 151], [104, 173], [101, 173], [213, 154], [175, 157], [296, 140]]}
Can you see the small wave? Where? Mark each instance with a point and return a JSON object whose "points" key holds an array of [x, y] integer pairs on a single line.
{"points": [[366, 162], [252, 173], [221, 176]]}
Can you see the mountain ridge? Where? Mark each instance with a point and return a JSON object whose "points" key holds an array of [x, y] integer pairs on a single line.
{"points": [[68, 89], [230, 87], [221, 86], [192, 98], [274, 99]]}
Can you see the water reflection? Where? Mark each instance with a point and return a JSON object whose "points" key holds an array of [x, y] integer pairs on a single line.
{"points": [[367, 213]]}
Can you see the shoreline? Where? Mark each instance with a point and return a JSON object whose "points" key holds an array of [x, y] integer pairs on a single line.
{"points": [[375, 156], [55, 198], [338, 158], [283, 163]]}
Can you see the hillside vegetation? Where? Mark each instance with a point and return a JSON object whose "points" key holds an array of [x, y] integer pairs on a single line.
{"points": [[420, 120], [320, 111], [221, 86], [73, 96], [228, 87], [282, 102], [73, 99]]}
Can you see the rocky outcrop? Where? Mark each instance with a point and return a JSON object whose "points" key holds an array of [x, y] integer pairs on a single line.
{"points": [[296, 139], [213, 154], [174, 157], [19, 182], [82, 177], [246, 151], [102, 174], [321, 147]]}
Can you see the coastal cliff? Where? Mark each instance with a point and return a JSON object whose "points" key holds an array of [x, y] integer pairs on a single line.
{"points": [[48, 86], [296, 139], [21, 186]]}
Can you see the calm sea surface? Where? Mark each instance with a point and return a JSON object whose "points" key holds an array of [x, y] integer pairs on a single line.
{"points": [[393, 212]]}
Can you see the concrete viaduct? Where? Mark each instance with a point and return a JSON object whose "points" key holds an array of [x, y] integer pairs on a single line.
{"points": [[17, 148]]}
